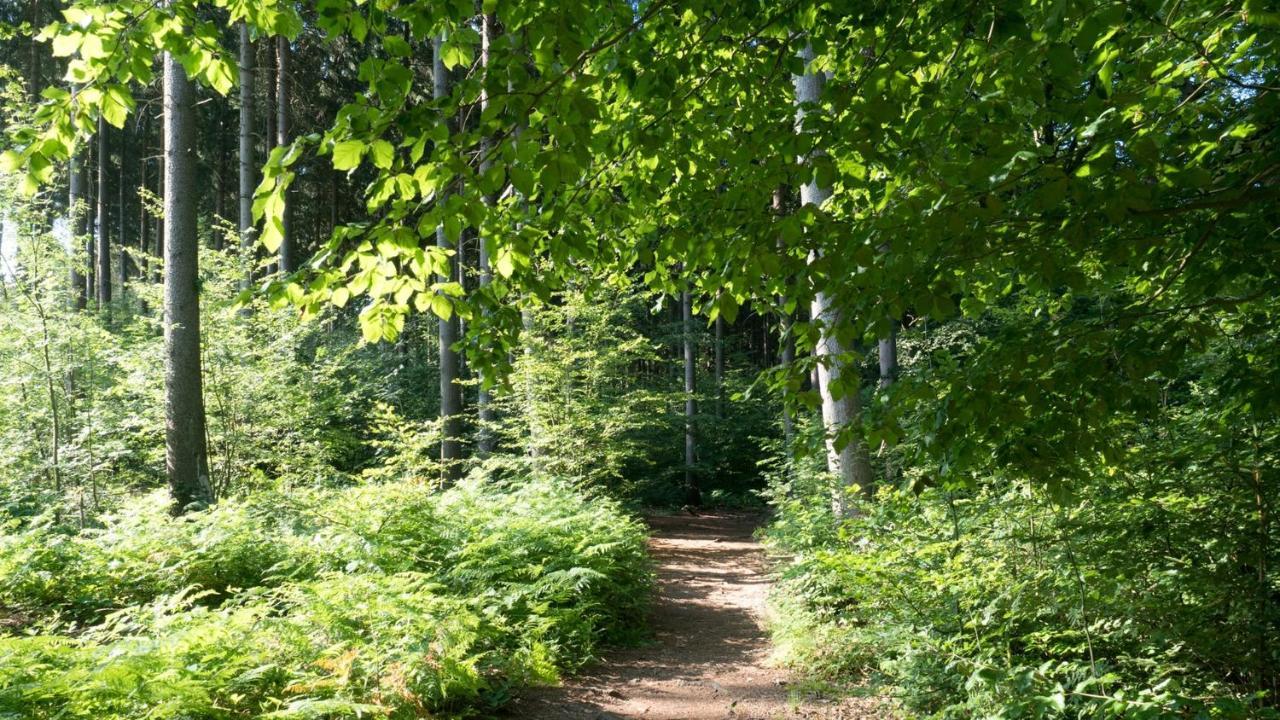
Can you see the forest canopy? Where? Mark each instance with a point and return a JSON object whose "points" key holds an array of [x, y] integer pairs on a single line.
{"points": [[978, 298]]}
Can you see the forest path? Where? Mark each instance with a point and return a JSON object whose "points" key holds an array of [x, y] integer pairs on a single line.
{"points": [[709, 656]]}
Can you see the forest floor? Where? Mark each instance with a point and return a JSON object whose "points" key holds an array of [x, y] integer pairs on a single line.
{"points": [[709, 655]]}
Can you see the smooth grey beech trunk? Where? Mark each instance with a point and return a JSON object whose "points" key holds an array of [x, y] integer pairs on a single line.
{"points": [[485, 441], [288, 253], [690, 404], [848, 460], [247, 182], [103, 250], [450, 391], [186, 455]]}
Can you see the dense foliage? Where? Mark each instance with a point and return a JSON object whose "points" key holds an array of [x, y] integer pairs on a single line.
{"points": [[1020, 256], [1147, 588], [389, 599]]}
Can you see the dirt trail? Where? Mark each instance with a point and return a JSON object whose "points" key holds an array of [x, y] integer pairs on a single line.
{"points": [[709, 655]]}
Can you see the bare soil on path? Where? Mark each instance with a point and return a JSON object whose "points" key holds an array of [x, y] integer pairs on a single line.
{"points": [[709, 655]]}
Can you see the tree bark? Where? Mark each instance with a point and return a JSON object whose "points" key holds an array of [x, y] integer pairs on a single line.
{"points": [[719, 367], [485, 442], [786, 321], [91, 217], [79, 220], [162, 182], [693, 497], [186, 454], [220, 108], [288, 253], [122, 240], [841, 413], [247, 175], [450, 391], [144, 220], [103, 249], [888, 352], [36, 53]]}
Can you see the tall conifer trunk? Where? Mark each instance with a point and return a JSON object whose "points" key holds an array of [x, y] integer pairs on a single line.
{"points": [[484, 402], [690, 404], [247, 181], [79, 215], [103, 248], [186, 455], [288, 253], [450, 392]]}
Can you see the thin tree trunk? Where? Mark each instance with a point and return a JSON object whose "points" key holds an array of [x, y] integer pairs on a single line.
{"points": [[841, 414], [79, 221], [486, 442], [186, 453], [786, 321], [288, 254], [91, 231], [103, 222], [719, 367], [162, 181], [122, 240], [690, 404], [450, 395], [888, 352], [36, 54], [269, 112], [144, 220], [216, 239], [247, 175]]}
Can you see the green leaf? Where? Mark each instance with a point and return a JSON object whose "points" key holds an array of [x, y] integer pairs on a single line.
{"points": [[347, 154], [9, 161], [116, 105], [382, 153]]}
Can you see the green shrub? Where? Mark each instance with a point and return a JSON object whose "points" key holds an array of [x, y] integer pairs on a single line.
{"points": [[999, 602], [377, 599]]}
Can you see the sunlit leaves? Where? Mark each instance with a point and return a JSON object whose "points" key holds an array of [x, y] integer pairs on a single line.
{"points": [[347, 154]]}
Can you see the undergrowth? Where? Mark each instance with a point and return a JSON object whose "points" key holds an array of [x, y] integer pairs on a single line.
{"points": [[387, 600], [1000, 602]]}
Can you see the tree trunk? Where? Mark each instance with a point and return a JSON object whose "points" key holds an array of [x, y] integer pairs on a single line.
{"points": [[103, 250], [269, 112], [220, 108], [842, 413], [36, 55], [91, 218], [288, 254], [693, 497], [122, 240], [888, 351], [186, 454], [162, 182], [247, 175], [144, 220], [719, 367], [79, 222], [486, 443], [787, 340], [450, 392]]}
